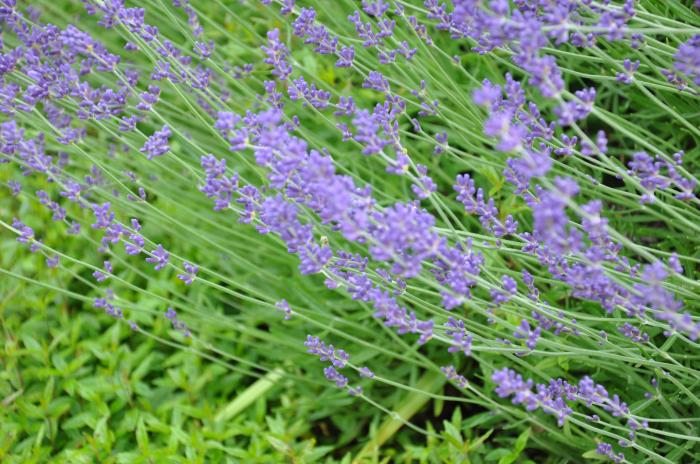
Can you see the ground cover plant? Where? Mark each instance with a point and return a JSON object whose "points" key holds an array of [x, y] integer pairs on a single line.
{"points": [[350, 231]]}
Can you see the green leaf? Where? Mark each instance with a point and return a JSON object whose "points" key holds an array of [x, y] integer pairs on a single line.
{"points": [[594, 455], [479, 441], [520, 444], [142, 434], [278, 444]]}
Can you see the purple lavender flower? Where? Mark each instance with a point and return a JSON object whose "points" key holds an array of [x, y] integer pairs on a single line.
{"points": [[304, 22], [452, 375], [137, 242], [148, 99], [605, 449], [346, 56], [687, 59], [512, 135], [376, 81], [315, 345], [15, 187], [355, 391], [26, 235], [508, 383], [460, 336], [509, 285], [403, 234], [630, 68], [651, 294], [550, 398], [530, 335], [190, 273], [277, 55], [300, 89], [284, 306], [656, 173], [217, 184], [529, 282], [72, 190], [550, 219], [101, 276], [375, 8], [74, 228], [109, 308], [159, 257], [487, 95], [178, 325], [474, 202], [675, 264], [59, 213], [367, 125], [578, 109], [157, 144], [103, 215], [52, 261], [633, 333], [425, 185], [334, 376]]}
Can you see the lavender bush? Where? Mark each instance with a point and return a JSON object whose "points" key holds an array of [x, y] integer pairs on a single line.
{"points": [[489, 206]]}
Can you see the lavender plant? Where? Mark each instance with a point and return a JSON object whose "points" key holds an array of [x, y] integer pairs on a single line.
{"points": [[487, 205]]}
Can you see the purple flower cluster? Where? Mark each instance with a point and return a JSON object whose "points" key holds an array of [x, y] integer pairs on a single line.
{"points": [[368, 131], [157, 144], [159, 257], [557, 397], [528, 27], [333, 375], [284, 307], [349, 271], [281, 217], [109, 307], [687, 59], [301, 90], [277, 55], [550, 222], [338, 360], [527, 333], [315, 345], [101, 276], [510, 288], [401, 234], [474, 203], [190, 273], [650, 294], [58, 62], [459, 335], [552, 240], [606, 449], [633, 333], [544, 322], [217, 185], [656, 173], [26, 235], [518, 124], [178, 325], [59, 213], [452, 375], [627, 77], [425, 185]]}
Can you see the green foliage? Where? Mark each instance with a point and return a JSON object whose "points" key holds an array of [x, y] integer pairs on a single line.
{"points": [[76, 387]]}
